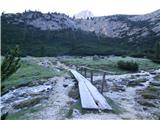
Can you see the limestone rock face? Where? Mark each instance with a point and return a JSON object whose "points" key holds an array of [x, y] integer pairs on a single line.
{"points": [[115, 26]]}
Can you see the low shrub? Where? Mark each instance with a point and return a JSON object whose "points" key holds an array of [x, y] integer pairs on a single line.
{"points": [[128, 65], [156, 60]]}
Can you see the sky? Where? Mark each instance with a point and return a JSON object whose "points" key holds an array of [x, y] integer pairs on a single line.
{"points": [[71, 7]]}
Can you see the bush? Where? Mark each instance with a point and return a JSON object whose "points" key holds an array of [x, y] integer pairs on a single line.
{"points": [[153, 58], [156, 60], [129, 66]]}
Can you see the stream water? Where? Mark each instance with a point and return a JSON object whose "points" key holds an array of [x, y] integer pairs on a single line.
{"points": [[126, 98]]}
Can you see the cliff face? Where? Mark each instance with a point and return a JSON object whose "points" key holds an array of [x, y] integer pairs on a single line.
{"points": [[123, 25]]}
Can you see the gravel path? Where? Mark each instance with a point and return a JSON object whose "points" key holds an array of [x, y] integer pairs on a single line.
{"points": [[57, 103]]}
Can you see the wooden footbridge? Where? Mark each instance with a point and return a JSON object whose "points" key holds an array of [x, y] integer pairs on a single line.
{"points": [[90, 97]]}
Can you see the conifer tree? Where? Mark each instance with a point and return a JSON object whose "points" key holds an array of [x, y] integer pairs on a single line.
{"points": [[157, 50], [10, 64]]}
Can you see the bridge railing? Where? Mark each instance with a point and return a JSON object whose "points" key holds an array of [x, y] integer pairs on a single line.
{"points": [[90, 71]]}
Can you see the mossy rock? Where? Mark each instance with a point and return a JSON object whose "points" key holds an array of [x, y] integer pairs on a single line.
{"points": [[146, 103], [155, 83], [153, 88], [74, 93], [136, 82], [29, 102], [150, 95]]}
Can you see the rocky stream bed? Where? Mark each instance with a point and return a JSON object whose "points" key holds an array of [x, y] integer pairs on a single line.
{"points": [[137, 93]]}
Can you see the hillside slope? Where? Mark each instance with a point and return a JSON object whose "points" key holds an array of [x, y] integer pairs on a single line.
{"points": [[51, 34]]}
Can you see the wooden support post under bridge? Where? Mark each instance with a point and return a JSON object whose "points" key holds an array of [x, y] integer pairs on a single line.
{"points": [[91, 76], [81, 70], [85, 72], [103, 82]]}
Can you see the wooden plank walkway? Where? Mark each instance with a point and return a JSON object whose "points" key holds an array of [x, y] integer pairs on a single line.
{"points": [[90, 97]]}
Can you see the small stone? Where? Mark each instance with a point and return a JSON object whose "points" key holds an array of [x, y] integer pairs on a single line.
{"points": [[75, 113], [133, 83], [116, 87], [64, 85], [145, 108], [70, 102]]}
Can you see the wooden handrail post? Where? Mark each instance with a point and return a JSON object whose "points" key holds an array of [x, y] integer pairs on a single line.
{"points": [[103, 82], [85, 72], [80, 70], [76, 67], [91, 76]]}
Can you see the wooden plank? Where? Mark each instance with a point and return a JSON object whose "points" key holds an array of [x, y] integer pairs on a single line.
{"points": [[87, 100], [97, 97]]}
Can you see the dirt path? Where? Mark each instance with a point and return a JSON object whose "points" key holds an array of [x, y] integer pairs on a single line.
{"points": [[56, 105]]}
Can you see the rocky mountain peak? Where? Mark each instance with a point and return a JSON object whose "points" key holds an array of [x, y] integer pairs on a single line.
{"points": [[84, 14]]}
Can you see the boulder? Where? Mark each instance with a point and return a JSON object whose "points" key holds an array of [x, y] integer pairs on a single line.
{"points": [[155, 83], [133, 83], [74, 93], [116, 87]]}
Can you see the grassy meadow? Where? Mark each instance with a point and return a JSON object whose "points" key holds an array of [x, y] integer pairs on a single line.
{"points": [[110, 63], [28, 72]]}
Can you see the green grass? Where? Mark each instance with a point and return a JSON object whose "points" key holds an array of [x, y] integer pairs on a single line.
{"points": [[24, 114], [27, 73], [76, 105], [115, 107], [110, 64], [157, 78], [152, 88]]}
